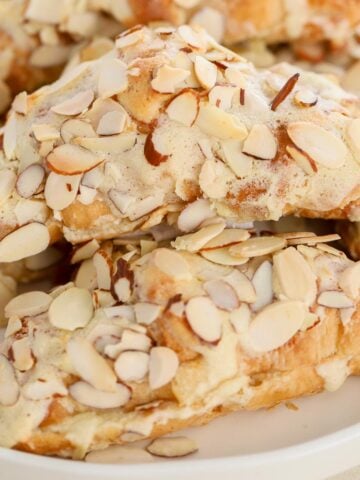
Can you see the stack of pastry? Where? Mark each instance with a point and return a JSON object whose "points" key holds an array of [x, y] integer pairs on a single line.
{"points": [[154, 161]]}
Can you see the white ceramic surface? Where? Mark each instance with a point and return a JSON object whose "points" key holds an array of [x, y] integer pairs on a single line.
{"points": [[321, 439]]}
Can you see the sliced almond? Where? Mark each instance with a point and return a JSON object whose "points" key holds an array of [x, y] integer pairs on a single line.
{"points": [[112, 123], [20, 103], [222, 96], [260, 143], [222, 294], [230, 236], [146, 313], [130, 340], [72, 309], [262, 282], [184, 108], [349, 280], [21, 352], [163, 366], [122, 201], [334, 299], [43, 132], [194, 242], [86, 275], [194, 214], [204, 318], [242, 285], [151, 153], [74, 105], [61, 190], [305, 98], [28, 304], [275, 325], [88, 395], [118, 454], [74, 127], [314, 240], [112, 78], [7, 184], [221, 256], [85, 251], [258, 246], [172, 264], [44, 388], [219, 124], [127, 39], [192, 37], [172, 447], [9, 388], [205, 71], [240, 319], [24, 242], [167, 79], [303, 161], [321, 145], [132, 366], [71, 159], [146, 205], [29, 180], [296, 279], [90, 365], [103, 266]]}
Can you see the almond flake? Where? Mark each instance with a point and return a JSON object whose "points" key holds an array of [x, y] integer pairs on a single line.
{"points": [[242, 285], [129, 39], [28, 304], [192, 37], [194, 214], [112, 78], [172, 264], [320, 144], [172, 447], [221, 256], [204, 318], [74, 128], [314, 240], [86, 195], [240, 319], [118, 454], [334, 299], [112, 123], [130, 340], [219, 124], [7, 184], [87, 250], [275, 325], [87, 395], [86, 275], [74, 105], [222, 294], [194, 242], [70, 159], [152, 155], [21, 351], [29, 180], [184, 108], [72, 309], [262, 282], [305, 98], [43, 132], [122, 201], [20, 104], [132, 366], [146, 313], [167, 79], [222, 96], [103, 266], [302, 160], [90, 365], [163, 366], [230, 236], [61, 190], [349, 280], [9, 388], [353, 133], [24, 242], [296, 279], [42, 389], [258, 246], [206, 72], [260, 143]]}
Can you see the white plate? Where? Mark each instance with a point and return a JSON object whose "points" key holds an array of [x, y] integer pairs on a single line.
{"points": [[321, 439]]}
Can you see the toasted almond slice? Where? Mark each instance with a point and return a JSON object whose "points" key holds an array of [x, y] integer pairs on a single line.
{"points": [[323, 247], [90, 365], [127, 39], [242, 285], [194, 214], [112, 123], [87, 395], [349, 280], [194, 242], [172, 447], [191, 36], [7, 184], [172, 264], [122, 289], [43, 132], [314, 240], [163, 366], [184, 108], [229, 236], [221, 256], [205, 71], [86, 275], [112, 78], [146, 205], [296, 279], [132, 366], [204, 318], [103, 266], [72, 309], [168, 79], [275, 325], [260, 143], [292, 235], [44, 388], [14, 325], [74, 105], [24, 242], [29, 180], [75, 127], [20, 104], [85, 251], [258, 246], [21, 351], [9, 388], [86, 195], [222, 294], [305, 98], [118, 454], [130, 340], [321, 145], [219, 124], [262, 282], [303, 161], [146, 313], [334, 299], [28, 304], [222, 96], [71, 159], [61, 190]]}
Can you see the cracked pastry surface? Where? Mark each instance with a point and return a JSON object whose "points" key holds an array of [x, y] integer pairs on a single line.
{"points": [[149, 339], [167, 118]]}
